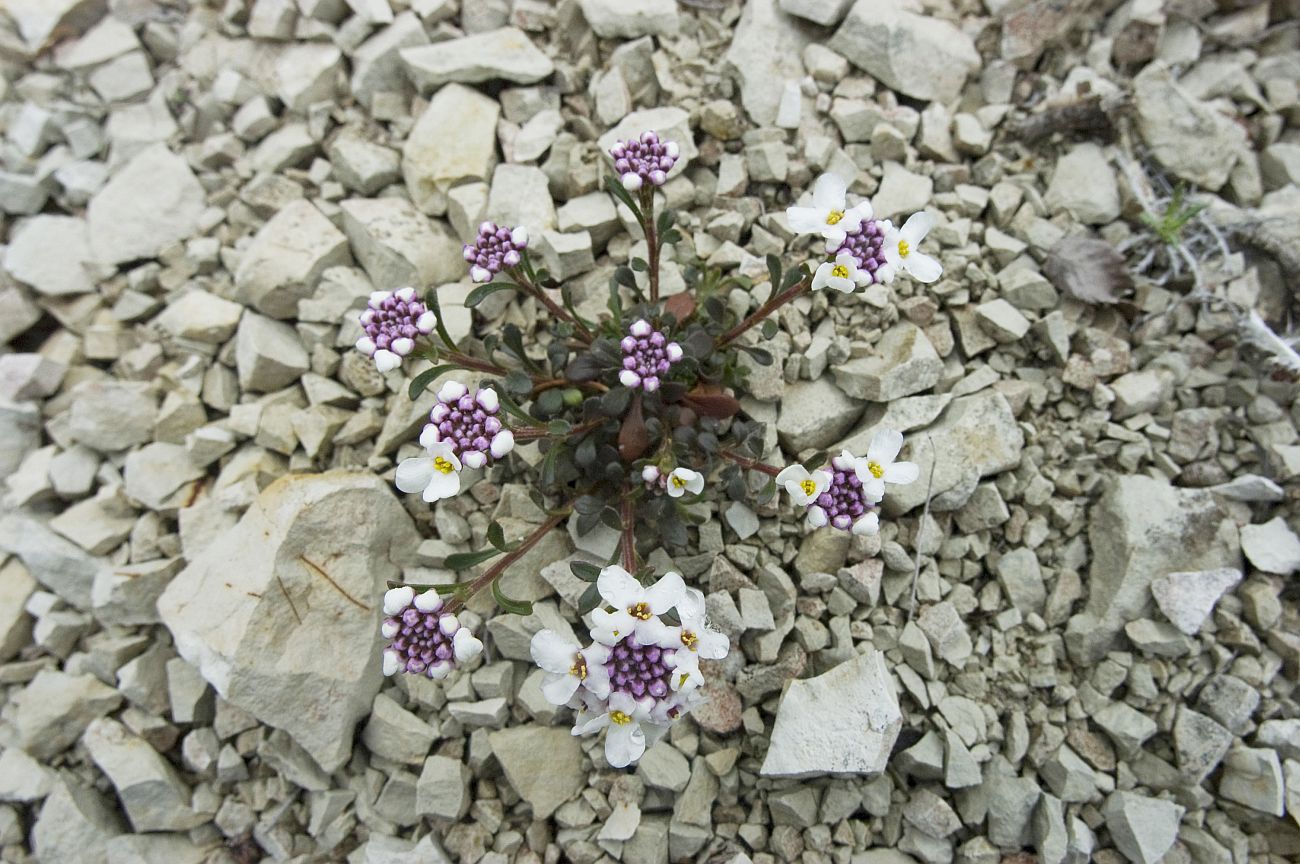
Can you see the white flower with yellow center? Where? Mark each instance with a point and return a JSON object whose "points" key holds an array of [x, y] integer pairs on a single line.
{"points": [[696, 641], [569, 667], [842, 274], [878, 467], [830, 216], [436, 475], [683, 480], [636, 608], [804, 486], [901, 249], [625, 741]]}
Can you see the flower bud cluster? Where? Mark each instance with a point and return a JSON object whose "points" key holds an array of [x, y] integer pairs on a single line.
{"points": [[424, 639], [495, 249], [464, 430], [647, 357], [644, 160], [390, 324], [848, 494]]}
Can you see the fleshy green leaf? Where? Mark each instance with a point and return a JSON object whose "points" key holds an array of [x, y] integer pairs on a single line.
{"points": [[482, 292], [584, 570], [497, 537], [421, 382], [466, 560], [589, 600], [517, 607]]}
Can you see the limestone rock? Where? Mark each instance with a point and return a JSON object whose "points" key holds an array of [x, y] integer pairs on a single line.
{"points": [[42, 21], [398, 245], [306, 73], [1188, 598], [287, 257], [433, 161], [152, 793], [917, 55], [1272, 547], [54, 709], [281, 614], [1141, 528], [201, 317], [1189, 137], [1084, 185], [28, 258], [616, 19], [20, 433], [75, 825], [815, 414], [765, 54], [544, 764], [153, 201], [827, 13], [54, 562], [1253, 777], [268, 354], [902, 363], [1144, 829], [506, 54], [860, 695], [109, 416]]}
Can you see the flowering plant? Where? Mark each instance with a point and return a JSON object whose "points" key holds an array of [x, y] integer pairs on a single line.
{"points": [[636, 415]]}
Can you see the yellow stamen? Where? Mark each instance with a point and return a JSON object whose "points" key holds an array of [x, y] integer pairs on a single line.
{"points": [[877, 470], [903, 249], [443, 465], [689, 639], [579, 667], [639, 610], [834, 217], [808, 486], [620, 718], [678, 482], [839, 271]]}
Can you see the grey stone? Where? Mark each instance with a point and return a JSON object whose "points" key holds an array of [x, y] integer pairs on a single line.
{"points": [[1002, 321], [268, 354], [506, 54], [1127, 727], [27, 257], [764, 55], [860, 692], [1011, 803], [664, 767], [1022, 580], [75, 825], [919, 56], [155, 472], [396, 734], [53, 561], [22, 778], [1272, 547], [443, 789], [285, 261], [200, 317], [398, 246], [1188, 598], [151, 202], [1142, 828], [815, 414], [614, 19], [543, 764], [363, 165], [902, 192], [1186, 136], [1230, 701], [902, 363], [377, 66], [20, 433], [152, 793], [1199, 744], [306, 73], [827, 13], [54, 709], [433, 162], [943, 626], [1253, 777], [279, 613], [1084, 186]]}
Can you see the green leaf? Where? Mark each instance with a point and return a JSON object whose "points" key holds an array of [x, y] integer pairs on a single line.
{"points": [[559, 428], [639, 265], [517, 607], [774, 270], [589, 600], [615, 187], [793, 276], [482, 292], [588, 504], [466, 560], [420, 382], [665, 221], [496, 535], [769, 328], [584, 570], [518, 382], [431, 300], [671, 236]]}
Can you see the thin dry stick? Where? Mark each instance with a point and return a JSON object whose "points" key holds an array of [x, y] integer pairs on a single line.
{"points": [[929, 488]]}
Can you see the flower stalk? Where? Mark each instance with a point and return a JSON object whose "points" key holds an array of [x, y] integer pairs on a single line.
{"points": [[775, 302]]}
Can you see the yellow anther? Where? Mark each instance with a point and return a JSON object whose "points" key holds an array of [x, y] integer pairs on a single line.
{"points": [[620, 718], [877, 470], [443, 465], [808, 486], [834, 217], [579, 667], [689, 639], [903, 249], [640, 610], [839, 271], [678, 482]]}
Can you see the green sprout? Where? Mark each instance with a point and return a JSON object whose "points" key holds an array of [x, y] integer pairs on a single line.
{"points": [[1169, 225]]}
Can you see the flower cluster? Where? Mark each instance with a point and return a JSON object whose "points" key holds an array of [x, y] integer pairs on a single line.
{"points": [[640, 673], [423, 639], [464, 430], [647, 356], [865, 249], [391, 323], [847, 495], [495, 249], [644, 160]]}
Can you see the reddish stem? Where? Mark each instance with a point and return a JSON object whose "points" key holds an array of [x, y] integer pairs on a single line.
{"points": [[751, 464], [511, 557], [774, 303], [651, 239], [627, 512]]}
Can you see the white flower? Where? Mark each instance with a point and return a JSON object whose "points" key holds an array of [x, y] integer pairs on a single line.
{"points": [[695, 641], [879, 467], [466, 645], [829, 216], [636, 608], [804, 487], [436, 474], [901, 249], [683, 480], [569, 667], [842, 274], [625, 741]]}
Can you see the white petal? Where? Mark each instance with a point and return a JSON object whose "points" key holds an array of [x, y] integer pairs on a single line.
{"points": [[474, 459], [426, 322], [439, 670], [429, 601], [671, 148], [628, 378], [414, 475], [503, 443], [842, 285], [429, 436], [442, 486], [666, 593], [690, 608], [695, 485], [916, 227], [406, 295], [829, 191], [653, 631], [403, 346], [449, 624], [712, 645], [632, 182], [805, 220], [816, 516], [834, 235], [597, 681], [552, 652], [823, 480], [884, 446], [674, 491], [386, 361], [559, 689], [850, 222], [488, 399], [868, 524], [590, 724], [451, 391], [398, 599], [519, 236], [902, 473], [650, 474], [862, 211], [479, 274], [366, 345], [873, 489], [389, 629], [640, 328], [795, 473], [466, 645], [378, 297], [392, 663], [922, 267], [618, 587], [610, 628], [822, 277], [624, 744]]}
